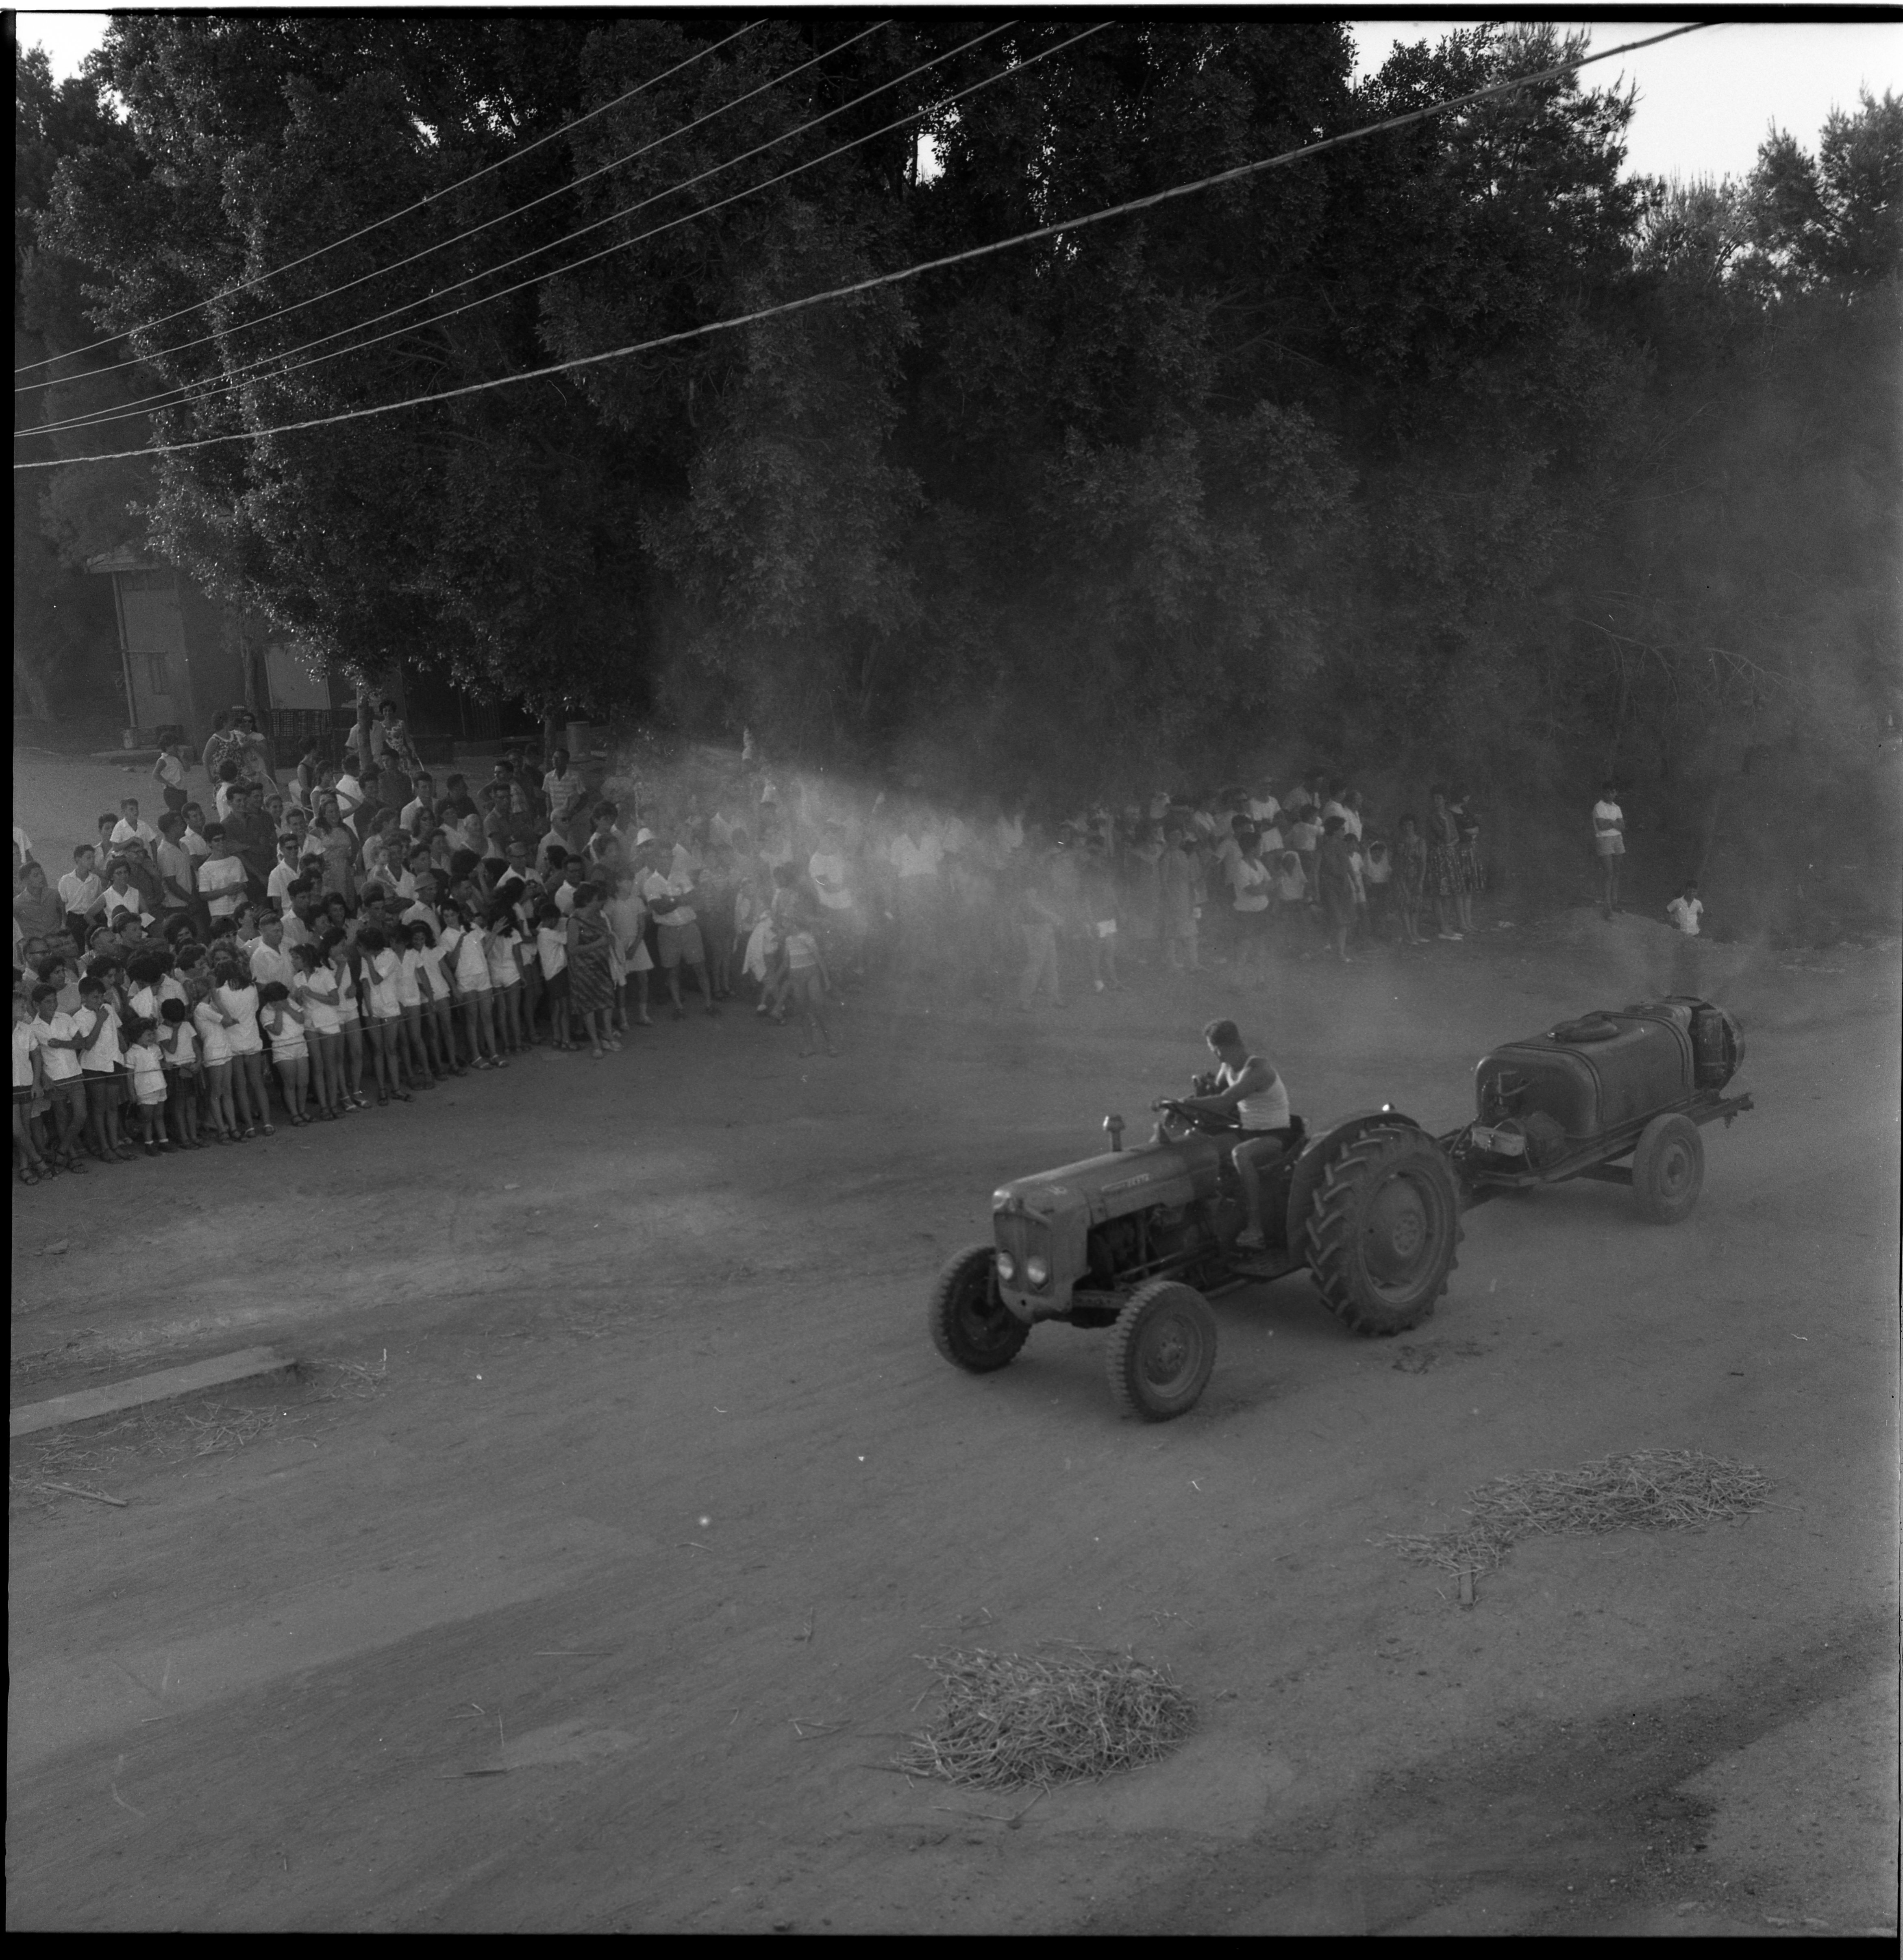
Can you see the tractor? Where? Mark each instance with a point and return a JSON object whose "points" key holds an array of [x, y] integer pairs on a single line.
{"points": [[1137, 1241]]}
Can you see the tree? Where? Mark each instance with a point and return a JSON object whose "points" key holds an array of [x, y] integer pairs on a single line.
{"points": [[65, 654], [1456, 448]]}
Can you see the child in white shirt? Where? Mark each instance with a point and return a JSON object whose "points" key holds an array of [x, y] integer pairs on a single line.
{"points": [[433, 984], [551, 948], [315, 992], [101, 1061], [28, 1081], [469, 967], [147, 1068], [214, 1021], [341, 950], [178, 1056], [237, 994], [408, 1037], [383, 1028], [505, 978], [284, 1021]]}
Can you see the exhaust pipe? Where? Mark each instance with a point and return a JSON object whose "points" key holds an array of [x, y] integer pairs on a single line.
{"points": [[1114, 1128]]}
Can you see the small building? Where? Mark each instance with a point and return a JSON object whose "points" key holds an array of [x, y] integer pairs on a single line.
{"points": [[185, 656]]}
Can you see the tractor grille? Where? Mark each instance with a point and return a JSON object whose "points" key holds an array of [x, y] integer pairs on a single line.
{"points": [[1020, 1236]]}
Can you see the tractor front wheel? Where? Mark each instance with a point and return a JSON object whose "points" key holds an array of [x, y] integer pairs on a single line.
{"points": [[1668, 1169], [1161, 1350], [1382, 1231], [971, 1327]]}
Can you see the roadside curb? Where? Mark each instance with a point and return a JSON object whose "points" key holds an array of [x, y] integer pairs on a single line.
{"points": [[161, 1386]]}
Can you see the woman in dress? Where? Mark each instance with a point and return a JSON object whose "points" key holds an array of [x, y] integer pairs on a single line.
{"points": [[330, 840], [591, 981]]}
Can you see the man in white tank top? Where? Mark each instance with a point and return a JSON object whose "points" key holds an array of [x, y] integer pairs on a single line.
{"points": [[1248, 1087]]}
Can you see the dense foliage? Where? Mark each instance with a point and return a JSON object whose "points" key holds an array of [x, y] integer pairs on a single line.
{"points": [[1453, 443]]}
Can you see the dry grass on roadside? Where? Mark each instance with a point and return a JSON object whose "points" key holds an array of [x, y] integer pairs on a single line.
{"points": [[177, 1432], [1011, 1720], [1651, 1489]]}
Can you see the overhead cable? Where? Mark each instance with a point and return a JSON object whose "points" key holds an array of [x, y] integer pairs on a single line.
{"points": [[376, 225], [781, 308]]}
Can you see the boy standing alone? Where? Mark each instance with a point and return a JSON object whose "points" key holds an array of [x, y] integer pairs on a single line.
{"points": [[1608, 842]]}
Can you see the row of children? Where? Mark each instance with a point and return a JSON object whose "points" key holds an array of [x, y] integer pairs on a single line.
{"points": [[163, 1042]]}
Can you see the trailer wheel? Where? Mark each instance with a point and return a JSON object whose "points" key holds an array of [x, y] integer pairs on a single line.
{"points": [[1668, 1169], [1382, 1231], [971, 1327], [1161, 1350]]}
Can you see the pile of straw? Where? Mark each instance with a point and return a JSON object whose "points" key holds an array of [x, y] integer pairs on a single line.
{"points": [[1651, 1490], [1009, 1721]]}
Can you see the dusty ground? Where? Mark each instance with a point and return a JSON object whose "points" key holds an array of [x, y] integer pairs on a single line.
{"points": [[623, 1468]]}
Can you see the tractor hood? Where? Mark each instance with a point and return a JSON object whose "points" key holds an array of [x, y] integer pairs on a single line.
{"points": [[1106, 1187]]}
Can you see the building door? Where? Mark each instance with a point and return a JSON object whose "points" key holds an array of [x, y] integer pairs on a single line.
{"points": [[155, 659]]}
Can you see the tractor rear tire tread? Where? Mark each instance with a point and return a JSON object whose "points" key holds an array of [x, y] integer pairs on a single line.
{"points": [[1331, 1231]]}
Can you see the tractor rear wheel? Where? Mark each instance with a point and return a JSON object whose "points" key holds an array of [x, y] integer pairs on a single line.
{"points": [[1161, 1350], [1668, 1169], [971, 1327], [1382, 1230]]}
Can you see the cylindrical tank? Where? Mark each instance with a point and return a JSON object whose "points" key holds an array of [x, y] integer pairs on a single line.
{"points": [[1599, 1073]]}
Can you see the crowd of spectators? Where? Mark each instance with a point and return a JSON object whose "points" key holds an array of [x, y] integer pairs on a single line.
{"points": [[289, 947]]}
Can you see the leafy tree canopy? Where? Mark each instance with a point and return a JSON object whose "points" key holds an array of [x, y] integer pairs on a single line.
{"points": [[1457, 439]]}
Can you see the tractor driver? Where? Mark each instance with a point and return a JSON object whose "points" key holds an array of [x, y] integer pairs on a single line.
{"points": [[1248, 1087]]}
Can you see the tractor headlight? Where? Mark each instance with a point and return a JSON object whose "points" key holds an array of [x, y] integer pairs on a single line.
{"points": [[1007, 1268], [1037, 1271]]}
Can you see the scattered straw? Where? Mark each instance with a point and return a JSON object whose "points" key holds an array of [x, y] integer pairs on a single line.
{"points": [[1010, 1720], [1651, 1490]]}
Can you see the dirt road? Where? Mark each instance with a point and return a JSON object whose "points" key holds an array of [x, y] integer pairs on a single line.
{"points": [[602, 1606]]}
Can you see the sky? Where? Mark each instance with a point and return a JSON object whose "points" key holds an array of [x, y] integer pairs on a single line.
{"points": [[1705, 102]]}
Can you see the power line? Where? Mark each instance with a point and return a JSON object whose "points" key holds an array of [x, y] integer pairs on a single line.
{"points": [[470, 231], [376, 225], [1150, 202], [183, 394]]}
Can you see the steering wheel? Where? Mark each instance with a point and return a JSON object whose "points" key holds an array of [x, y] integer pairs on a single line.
{"points": [[1209, 1123]]}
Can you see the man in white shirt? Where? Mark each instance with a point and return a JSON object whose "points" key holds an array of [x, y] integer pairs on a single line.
{"points": [[284, 873], [677, 931], [1263, 806], [221, 875], [574, 872], [1684, 911], [1608, 842], [193, 835], [423, 905], [269, 960], [130, 826], [422, 804], [82, 892], [177, 868], [121, 895], [1337, 805], [349, 793]]}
